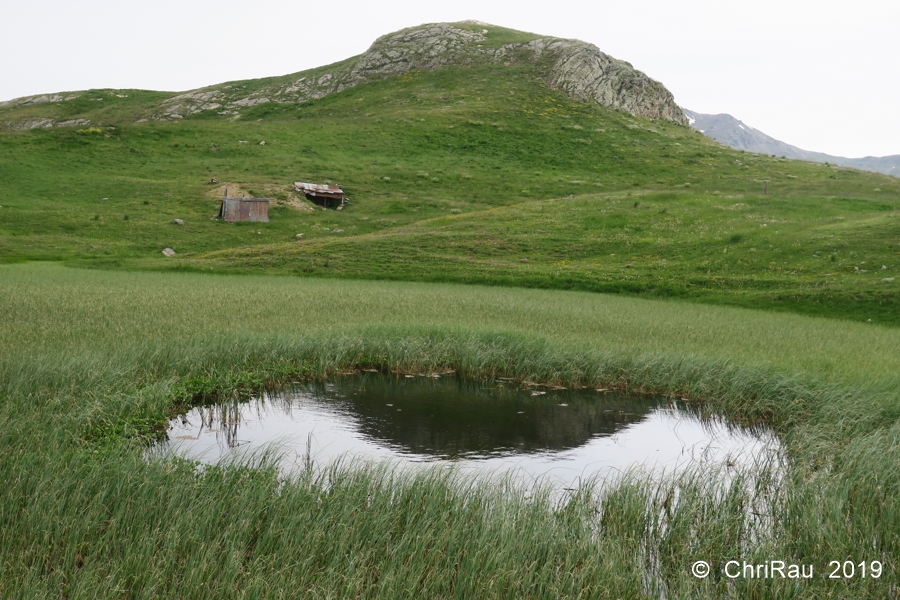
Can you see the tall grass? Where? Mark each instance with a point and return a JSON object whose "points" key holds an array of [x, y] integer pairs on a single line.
{"points": [[47, 308], [93, 362]]}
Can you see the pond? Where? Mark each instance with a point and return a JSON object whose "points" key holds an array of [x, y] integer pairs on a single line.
{"points": [[540, 435]]}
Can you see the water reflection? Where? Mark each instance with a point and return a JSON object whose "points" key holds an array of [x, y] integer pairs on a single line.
{"points": [[446, 419], [557, 435]]}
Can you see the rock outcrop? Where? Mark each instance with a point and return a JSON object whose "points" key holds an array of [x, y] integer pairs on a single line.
{"points": [[43, 123], [585, 73], [575, 67], [42, 99]]}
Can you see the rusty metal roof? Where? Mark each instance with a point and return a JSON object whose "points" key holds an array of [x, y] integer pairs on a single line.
{"points": [[303, 186], [245, 199]]}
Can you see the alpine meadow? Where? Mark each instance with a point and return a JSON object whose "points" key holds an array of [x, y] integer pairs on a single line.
{"points": [[518, 208]]}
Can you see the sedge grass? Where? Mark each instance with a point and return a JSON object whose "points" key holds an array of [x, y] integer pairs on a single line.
{"points": [[93, 363]]}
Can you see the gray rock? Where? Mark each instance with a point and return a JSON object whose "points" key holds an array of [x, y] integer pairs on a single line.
{"points": [[73, 123], [31, 124], [168, 252], [251, 101], [177, 221], [299, 236], [585, 73], [30, 100], [577, 68]]}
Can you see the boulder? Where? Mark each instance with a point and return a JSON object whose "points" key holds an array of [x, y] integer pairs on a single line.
{"points": [[168, 252]]}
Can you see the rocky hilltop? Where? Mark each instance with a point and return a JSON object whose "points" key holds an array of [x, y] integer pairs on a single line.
{"points": [[572, 66], [575, 67]]}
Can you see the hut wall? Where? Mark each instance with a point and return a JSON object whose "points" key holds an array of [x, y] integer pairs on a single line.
{"points": [[259, 211], [245, 209]]}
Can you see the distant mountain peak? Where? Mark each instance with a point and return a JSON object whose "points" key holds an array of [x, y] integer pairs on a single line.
{"points": [[736, 134]]}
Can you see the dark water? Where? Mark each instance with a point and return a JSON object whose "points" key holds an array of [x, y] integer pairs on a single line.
{"points": [[559, 436]]}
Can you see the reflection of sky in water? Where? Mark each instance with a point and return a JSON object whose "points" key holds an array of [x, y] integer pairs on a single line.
{"points": [[339, 423]]}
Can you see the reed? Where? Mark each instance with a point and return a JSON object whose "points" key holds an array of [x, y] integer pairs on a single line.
{"points": [[93, 362]]}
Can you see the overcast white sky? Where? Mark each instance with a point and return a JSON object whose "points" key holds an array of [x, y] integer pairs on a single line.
{"points": [[822, 75]]}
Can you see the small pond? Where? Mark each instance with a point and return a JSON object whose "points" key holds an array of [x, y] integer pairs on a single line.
{"points": [[555, 436]]}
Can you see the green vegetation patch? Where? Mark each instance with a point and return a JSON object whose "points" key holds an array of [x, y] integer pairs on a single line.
{"points": [[822, 256], [420, 148], [95, 362]]}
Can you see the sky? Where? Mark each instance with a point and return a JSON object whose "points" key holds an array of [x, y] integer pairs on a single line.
{"points": [[821, 75]]}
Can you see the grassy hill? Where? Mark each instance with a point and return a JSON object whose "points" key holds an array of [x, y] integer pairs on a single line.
{"points": [[427, 159]]}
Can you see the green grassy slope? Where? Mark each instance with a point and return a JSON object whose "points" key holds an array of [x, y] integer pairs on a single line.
{"points": [[101, 107], [827, 256], [422, 156]]}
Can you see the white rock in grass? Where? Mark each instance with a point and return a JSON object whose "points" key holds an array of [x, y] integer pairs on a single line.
{"points": [[886, 279], [168, 252], [177, 221]]}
